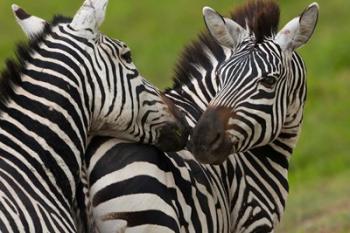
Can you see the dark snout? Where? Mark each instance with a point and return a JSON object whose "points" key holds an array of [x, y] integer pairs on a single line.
{"points": [[174, 135], [209, 142]]}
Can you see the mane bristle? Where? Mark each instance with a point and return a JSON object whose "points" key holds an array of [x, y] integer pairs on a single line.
{"points": [[262, 19], [195, 53], [11, 75], [260, 16]]}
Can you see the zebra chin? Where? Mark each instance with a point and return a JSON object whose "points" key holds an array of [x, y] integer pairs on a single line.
{"points": [[210, 144], [213, 154]]}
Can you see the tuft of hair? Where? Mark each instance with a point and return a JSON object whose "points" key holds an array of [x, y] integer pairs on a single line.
{"points": [[260, 16], [11, 75], [194, 54]]}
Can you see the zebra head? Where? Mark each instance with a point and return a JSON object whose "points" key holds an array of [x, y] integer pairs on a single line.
{"points": [[120, 102], [261, 86]]}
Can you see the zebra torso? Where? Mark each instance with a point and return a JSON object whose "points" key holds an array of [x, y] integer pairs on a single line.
{"points": [[154, 193]]}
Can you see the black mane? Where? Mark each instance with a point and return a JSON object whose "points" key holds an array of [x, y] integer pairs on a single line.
{"points": [[260, 16], [196, 53], [11, 75]]}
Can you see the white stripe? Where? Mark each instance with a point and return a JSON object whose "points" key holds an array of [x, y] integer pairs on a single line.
{"points": [[14, 215], [54, 106], [28, 165], [35, 189], [45, 146], [52, 126]]}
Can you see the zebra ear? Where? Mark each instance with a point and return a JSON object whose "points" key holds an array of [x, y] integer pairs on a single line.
{"points": [[90, 16], [299, 30], [31, 25], [225, 31]]}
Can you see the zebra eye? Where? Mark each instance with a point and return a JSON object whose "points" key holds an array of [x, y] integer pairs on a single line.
{"points": [[268, 81], [127, 57]]}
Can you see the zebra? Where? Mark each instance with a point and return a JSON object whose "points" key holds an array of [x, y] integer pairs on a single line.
{"points": [[241, 184], [69, 83]]}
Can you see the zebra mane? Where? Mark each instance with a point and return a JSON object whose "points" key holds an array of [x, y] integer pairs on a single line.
{"points": [[260, 17], [11, 75], [196, 54]]}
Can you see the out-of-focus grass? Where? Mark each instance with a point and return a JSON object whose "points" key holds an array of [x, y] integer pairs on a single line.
{"points": [[320, 206], [157, 30]]}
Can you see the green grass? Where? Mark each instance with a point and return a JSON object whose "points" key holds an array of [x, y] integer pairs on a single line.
{"points": [[320, 205], [157, 30]]}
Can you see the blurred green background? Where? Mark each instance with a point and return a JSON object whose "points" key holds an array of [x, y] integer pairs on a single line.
{"points": [[157, 30]]}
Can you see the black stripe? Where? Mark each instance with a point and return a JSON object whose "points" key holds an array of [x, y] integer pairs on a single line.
{"points": [[61, 180], [37, 167], [155, 217]]}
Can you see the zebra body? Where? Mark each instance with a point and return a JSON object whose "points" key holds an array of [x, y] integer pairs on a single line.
{"points": [[164, 193], [145, 190], [70, 82]]}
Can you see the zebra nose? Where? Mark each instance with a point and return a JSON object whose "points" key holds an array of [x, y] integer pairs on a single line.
{"points": [[173, 136], [209, 143], [209, 133]]}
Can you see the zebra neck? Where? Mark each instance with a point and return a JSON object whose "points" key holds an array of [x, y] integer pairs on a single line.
{"points": [[263, 173], [191, 102], [42, 127]]}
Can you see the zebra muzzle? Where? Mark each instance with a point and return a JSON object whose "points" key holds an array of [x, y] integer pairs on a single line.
{"points": [[174, 134], [210, 144], [173, 137]]}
